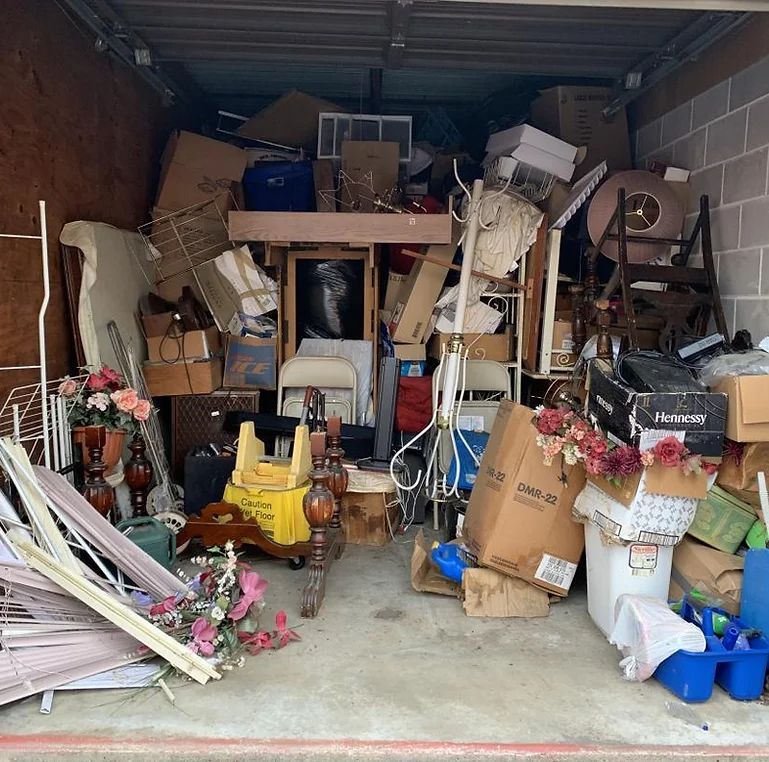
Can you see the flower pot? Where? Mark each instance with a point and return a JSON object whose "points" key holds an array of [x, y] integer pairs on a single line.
{"points": [[113, 447]]}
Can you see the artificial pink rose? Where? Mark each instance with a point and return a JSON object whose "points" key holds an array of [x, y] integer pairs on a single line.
{"points": [[647, 458], [669, 451], [97, 382], [594, 466], [68, 387], [203, 633], [252, 590], [125, 399], [142, 410]]}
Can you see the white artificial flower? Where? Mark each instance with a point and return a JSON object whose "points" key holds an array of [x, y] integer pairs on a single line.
{"points": [[217, 614], [229, 546]]}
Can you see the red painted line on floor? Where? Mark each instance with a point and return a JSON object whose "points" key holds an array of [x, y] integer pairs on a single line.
{"points": [[69, 743]]}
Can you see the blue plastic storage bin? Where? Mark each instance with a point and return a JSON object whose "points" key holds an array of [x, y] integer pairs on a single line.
{"points": [[741, 674], [279, 186]]}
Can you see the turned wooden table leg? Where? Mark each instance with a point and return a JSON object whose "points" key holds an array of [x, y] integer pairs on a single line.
{"points": [[96, 490], [578, 323], [318, 506], [138, 475], [338, 480], [604, 349]]}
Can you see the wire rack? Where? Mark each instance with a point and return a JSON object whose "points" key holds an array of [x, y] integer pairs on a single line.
{"points": [[23, 413], [181, 241], [530, 182]]}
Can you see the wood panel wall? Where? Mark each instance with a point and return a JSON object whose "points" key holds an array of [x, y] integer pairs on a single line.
{"points": [[83, 132]]}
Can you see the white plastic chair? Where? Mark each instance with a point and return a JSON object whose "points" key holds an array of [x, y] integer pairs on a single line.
{"points": [[481, 376], [335, 376]]}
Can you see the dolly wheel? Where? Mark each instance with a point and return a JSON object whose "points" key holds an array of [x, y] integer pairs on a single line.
{"points": [[296, 563]]}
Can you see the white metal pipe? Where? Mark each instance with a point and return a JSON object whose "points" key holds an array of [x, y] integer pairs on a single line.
{"points": [[55, 428], [61, 430], [41, 331], [16, 424], [468, 255]]}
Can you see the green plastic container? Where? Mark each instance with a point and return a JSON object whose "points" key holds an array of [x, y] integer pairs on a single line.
{"points": [[722, 521], [756, 538], [154, 538]]}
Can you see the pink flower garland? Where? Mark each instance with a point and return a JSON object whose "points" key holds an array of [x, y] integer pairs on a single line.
{"points": [[564, 432]]}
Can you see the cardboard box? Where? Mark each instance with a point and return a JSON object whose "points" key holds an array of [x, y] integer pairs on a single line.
{"points": [[484, 592], [507, 140], [395, 283], [573, 114], [413, 359], [743, 475], [747, 417], [642, 418], [195, 168], [411, 315], [291, 120], [191, 345], [722, 521], [518, 520], [251, 363], [650, 517], [716, 574], [659, 480], [370, 518], [158, 324], [499, 347], [201, 377], [370, 166]]}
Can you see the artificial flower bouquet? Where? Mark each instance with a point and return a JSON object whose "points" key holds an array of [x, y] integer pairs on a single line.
{"points": [[104, 399], [218, 618], [563, 432]]}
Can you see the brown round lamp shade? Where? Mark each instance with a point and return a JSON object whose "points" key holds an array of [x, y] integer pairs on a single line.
{"points": [[652, 210]]}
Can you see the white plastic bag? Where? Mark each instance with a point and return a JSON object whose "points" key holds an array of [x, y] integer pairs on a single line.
{"points": [[646, 631]]}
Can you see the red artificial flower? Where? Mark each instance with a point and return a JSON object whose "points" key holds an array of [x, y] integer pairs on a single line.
{"points": [[593, 445], [166, 606], [709, 468], [669, 451], [285, 636], [255, 642], [734, 450], [97, 382], [111, 376], [622, 461], [550, 420], [594, 466]]}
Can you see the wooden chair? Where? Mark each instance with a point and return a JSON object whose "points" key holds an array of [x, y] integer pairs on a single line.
{"points": [[688, 302]]}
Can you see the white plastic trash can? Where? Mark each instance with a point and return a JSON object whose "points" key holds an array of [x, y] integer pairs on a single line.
{"points": [[637, 568]]}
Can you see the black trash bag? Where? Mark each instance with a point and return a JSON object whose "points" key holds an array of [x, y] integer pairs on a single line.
{"points": [[329, 299]]}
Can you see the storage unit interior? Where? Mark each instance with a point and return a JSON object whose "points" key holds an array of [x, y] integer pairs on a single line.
{"points": [[92, 90]]}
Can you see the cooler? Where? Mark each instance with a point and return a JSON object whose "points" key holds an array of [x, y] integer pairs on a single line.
{"points": [[279, 186]]}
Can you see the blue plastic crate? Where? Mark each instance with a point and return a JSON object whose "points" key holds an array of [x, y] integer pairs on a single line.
{"points": [[279, 186], [741, 674]]}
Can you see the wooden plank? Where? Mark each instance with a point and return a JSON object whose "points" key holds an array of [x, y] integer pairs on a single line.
{"points": [[340, 227], [532, 311]]}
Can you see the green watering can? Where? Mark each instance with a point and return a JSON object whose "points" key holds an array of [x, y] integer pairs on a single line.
{"points": [[154, 538]]}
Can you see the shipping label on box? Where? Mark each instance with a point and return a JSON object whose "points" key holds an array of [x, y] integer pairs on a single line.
{"points": [[628, 415], [251, 363], [519, 517]]}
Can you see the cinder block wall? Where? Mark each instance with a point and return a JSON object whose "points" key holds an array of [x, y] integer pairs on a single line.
{"points": [[722, 136]]}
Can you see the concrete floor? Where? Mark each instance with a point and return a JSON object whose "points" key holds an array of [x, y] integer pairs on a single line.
{"points": [[385, 672]]}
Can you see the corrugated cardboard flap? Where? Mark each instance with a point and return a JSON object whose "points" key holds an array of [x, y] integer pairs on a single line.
{"points": [[754, 405]]}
